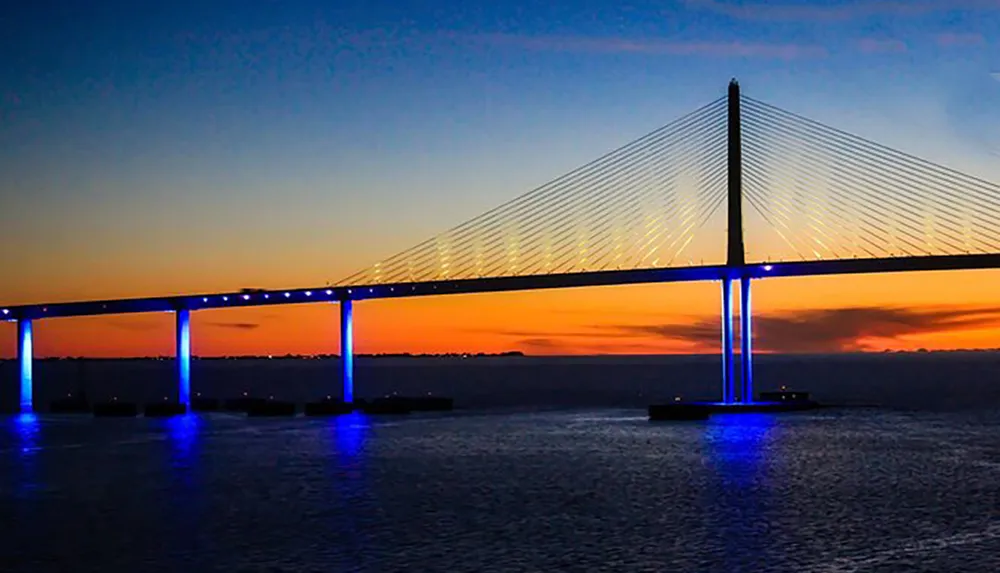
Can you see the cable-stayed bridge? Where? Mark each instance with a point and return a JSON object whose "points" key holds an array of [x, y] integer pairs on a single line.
{"points": [[735, 191]]}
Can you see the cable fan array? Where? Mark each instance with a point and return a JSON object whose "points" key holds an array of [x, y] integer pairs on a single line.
{"points": [[637, 207], [827, 194]]}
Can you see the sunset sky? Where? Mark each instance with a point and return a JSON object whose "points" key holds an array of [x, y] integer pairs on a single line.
{"points": [[180, 147]]}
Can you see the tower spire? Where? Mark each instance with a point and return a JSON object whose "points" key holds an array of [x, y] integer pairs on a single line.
{"points": [[734, 252]]}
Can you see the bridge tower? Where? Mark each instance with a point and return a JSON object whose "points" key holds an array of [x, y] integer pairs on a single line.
{"points": [[734, 390]]}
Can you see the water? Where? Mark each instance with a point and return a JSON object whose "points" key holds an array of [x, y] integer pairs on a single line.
{"points": [[507, 486]]}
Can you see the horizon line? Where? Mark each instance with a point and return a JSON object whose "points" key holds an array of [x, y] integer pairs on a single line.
{"points": [[510, 354]]}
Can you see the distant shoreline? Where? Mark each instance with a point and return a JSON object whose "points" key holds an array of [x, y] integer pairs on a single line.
{"points": [[509, 354]]}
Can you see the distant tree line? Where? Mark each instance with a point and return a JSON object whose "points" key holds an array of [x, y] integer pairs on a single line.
{"points": [[512, 353]]}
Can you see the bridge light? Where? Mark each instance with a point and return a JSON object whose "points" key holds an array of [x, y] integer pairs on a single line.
{"points": [[204, 299], [329, 292], [309, 293], [288, 294], [267, 296], [768, 268], [6, 312], [225, 299], [246, 297]]}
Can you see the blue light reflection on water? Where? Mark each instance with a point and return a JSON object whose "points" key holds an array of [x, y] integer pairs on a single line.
{"points": [[26, 430], [182, 435], [737, 449], [348, 434], [187, 511]]}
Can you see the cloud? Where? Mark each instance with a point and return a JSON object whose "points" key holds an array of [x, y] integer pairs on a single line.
{"points": [[828, 13], [954, 40], [876, 46], [541, 345], [830, 330], [554, 346], [646, 47], [533, 334], [996, 76], [236, 325]]}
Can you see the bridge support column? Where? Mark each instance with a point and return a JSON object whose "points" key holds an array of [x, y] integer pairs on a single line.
{"points": [[25, 358], [728, 370], [347, 351], [746, 342], [183, 357]]}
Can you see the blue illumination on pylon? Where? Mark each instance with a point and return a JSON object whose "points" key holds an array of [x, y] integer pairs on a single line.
{"points": [[347, 350], [184, 357], [25, 356], [746, 341], [728, 372]]}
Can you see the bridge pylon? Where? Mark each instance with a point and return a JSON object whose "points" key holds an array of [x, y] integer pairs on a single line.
{"points": [[733, 389]]}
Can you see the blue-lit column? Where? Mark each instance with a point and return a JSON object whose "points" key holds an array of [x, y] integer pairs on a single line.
{"points": [[347, 350], [746, 341], [184, 357], [728, 370], [25, 357]]}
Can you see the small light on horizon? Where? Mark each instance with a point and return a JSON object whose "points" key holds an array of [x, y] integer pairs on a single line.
{"points": [[225, 299], [204, 299], [5, 311], [768, 267], [267, 296], [309, 293], [288, 294], [329, 292], [246, 297]]}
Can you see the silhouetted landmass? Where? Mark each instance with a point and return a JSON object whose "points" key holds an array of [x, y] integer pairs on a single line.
{"points": [[468, 355]]}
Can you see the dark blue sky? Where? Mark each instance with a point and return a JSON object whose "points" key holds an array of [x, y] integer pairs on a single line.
{"points": [[159, 136]]}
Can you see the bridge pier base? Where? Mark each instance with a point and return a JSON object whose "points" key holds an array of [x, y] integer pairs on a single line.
{"points": [[347, 351], [25, 359], [746, 342], [728, 370], [183, 357]]}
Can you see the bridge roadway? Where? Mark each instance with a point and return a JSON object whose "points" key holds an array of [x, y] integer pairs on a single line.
{"points": [[498, 284]]}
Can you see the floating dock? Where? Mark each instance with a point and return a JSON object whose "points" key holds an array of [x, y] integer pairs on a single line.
{"points": [[770, 402]]}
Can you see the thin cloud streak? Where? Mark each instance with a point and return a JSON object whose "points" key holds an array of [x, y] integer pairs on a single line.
{"points": [[956, 40], [549, 334], [555, 347], [646, 47], [877, 46], [770, 12], [236, 325]]}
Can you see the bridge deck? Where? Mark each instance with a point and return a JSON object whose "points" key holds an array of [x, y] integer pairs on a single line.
{"points": [[498, 284]]}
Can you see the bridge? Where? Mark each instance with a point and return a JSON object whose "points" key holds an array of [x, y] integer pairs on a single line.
{"points": [[826, 202]]}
